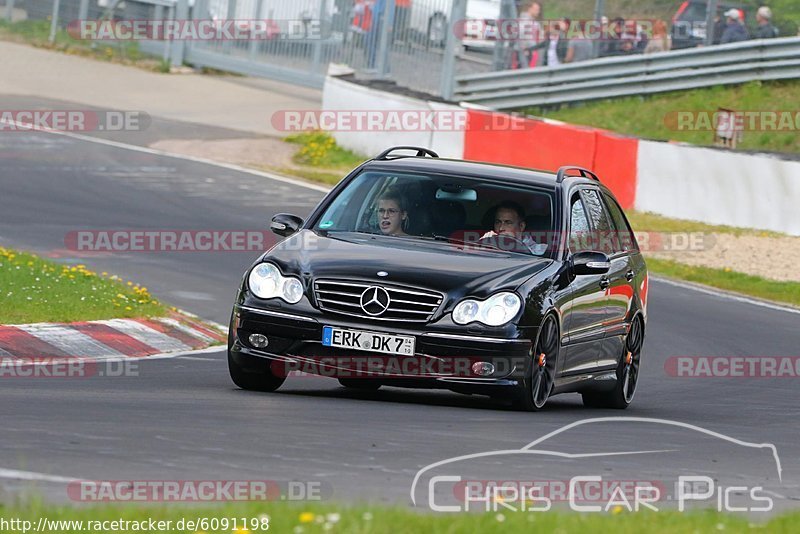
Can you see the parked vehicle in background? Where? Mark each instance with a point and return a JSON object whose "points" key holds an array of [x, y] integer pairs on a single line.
{"points": [[689, 22]]}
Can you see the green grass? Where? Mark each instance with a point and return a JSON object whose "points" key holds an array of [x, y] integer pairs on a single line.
{"points": [[37, 33], [321, 518], [319, 149], [35, 290], [651, 222], [653, 117], [727, 280]]}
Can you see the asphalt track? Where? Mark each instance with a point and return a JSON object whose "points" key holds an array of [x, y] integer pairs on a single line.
{"points": [[183, 419]]}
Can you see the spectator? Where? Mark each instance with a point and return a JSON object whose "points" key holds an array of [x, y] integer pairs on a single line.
{"points": [[765, 28], [661, 41], [735, 31], [580, 47], [612, 38], [530, 26], [555, 45]]}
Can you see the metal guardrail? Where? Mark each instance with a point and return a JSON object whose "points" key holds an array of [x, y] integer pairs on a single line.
{"points": [[773, 59]]}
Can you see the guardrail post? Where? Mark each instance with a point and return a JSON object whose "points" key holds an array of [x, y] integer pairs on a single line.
{"points": [[385, 38], [83, 10], [317, 54], [9, 10], [177, 48], [457, 14], [253, 48], [599, 11], [508, 10], [54, 21], [711, 11]]}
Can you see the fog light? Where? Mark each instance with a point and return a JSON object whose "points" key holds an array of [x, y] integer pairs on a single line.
{"points": [[259, 341], [482, 368]]}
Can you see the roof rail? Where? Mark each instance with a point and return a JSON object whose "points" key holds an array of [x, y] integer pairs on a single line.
{"points": [[421, 152], [585, 173]]}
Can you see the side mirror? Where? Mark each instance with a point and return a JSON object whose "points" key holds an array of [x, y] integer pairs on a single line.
{"points": [[285, 224], [590, 263]]}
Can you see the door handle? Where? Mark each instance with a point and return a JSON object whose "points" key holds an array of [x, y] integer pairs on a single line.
{"points": [[604, 283], [629, 275]]}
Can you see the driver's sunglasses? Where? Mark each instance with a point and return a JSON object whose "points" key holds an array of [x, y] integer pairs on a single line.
{"points": [[391, 212]]}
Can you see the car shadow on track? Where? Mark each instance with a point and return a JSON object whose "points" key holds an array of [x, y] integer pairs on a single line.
{"points": [[442, 398]]}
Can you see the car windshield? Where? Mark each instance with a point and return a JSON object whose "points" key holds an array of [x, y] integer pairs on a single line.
{"points": [[467, 212]]}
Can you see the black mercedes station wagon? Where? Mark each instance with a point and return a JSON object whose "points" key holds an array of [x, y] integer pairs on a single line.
{"points": [[423, 272]]}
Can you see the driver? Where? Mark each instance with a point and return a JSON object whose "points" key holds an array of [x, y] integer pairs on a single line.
{"points": [[392, 214], [509, 219]]}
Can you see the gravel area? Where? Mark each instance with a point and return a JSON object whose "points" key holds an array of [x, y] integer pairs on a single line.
{"points": [[775, 258], [258, 152]]}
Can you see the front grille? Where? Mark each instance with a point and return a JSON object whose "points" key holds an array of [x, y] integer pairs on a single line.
{"points": [[406, 304]]}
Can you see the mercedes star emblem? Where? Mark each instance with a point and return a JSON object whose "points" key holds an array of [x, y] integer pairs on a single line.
{"points": [[375, 300]]}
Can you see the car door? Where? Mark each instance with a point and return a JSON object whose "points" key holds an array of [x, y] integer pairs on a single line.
{"points": [[622, 277], [618, 288], [583, 316]]}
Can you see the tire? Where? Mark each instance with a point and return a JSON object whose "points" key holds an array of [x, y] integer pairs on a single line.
{"points": [[621, 396], [259, 377], [536, 387], [360, 383]]}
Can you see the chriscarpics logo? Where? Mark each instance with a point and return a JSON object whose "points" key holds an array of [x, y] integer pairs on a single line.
{"points": [[609, 464]]}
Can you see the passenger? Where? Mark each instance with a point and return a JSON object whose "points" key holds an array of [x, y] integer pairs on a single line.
{"points": [[392, 214]]}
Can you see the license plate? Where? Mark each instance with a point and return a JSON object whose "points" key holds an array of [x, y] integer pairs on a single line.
{"points": [[368, 341]]}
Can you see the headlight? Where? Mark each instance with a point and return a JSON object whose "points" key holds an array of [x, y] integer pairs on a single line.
{"points": [[267, 282], [495, 311]]}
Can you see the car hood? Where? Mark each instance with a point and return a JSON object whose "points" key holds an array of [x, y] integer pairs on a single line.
{"points": [[425, 264]]}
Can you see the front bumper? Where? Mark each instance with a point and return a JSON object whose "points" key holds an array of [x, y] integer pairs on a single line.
{"points": [[441, 359]]}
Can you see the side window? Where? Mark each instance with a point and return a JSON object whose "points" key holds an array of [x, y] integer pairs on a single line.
{"points": [[625, 236], [603, 232], [579, 234]]}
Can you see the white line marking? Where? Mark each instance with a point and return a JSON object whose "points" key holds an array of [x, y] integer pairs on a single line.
{"points": [[724, 294], [184, 354], [147, 335], [199, 359], [15, 474], [69, 340], [153, 151]]}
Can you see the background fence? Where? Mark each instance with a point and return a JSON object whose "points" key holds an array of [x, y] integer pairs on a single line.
{"points": [[419, 44], [410, 42]]}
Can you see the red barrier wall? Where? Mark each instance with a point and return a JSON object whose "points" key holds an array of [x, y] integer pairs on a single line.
{"points": [[537, 144]]}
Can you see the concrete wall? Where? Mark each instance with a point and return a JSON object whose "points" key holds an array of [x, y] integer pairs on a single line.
{"points": [[341, 95], [718, 187]]}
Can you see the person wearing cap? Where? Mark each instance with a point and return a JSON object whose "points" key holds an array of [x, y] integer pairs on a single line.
{"points": [[735, 31], [765, 28]]}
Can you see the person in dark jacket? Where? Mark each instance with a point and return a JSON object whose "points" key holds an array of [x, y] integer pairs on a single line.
{"points": [[765, 28], [555, 45], [735, 31]]}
